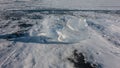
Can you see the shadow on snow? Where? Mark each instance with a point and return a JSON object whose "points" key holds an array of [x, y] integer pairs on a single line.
{"points": [[24, 37]]}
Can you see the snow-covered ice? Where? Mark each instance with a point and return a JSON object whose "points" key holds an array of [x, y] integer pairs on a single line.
{"points": [[59, 34], [47, 40]]}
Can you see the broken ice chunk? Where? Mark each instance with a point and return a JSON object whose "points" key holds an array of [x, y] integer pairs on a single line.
{"points": [[62, 28]]}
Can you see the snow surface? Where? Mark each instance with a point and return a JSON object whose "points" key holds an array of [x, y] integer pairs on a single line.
{"points": [[61, 4], [46, 40]]}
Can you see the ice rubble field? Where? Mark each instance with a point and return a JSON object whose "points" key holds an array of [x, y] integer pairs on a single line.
{"points": [[48, 40]]}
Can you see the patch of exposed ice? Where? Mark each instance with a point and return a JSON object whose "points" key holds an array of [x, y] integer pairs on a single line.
{"points": [[62, 28]]}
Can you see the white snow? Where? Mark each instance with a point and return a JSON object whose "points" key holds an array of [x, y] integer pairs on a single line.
{"points": [[61, 4], [91, 33]]}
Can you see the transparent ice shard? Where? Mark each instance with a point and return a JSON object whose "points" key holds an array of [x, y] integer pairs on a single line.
{"points": [[62, 28]]}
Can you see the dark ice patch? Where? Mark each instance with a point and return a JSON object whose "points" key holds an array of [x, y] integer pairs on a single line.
{"points": [[13, 35], [34, 16], [25, 25], [95, 26], [9, 15], [79, 61]]}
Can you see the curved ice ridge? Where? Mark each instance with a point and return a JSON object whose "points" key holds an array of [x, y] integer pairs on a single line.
{"points": [[62, 28]]}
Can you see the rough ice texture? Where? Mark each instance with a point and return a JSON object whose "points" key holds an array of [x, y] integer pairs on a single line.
{"points": [[66, 39]]}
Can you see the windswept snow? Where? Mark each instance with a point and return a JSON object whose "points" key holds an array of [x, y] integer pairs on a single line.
{"points": [[61, 4], [48, 40]]}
